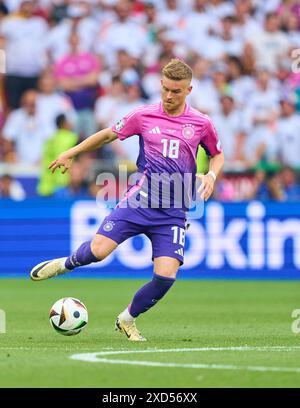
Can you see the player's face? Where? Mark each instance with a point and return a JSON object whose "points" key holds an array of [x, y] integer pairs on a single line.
{"points": [[174, 94]]}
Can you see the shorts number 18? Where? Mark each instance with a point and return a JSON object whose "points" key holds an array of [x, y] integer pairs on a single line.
{"points": [[179, 235]]}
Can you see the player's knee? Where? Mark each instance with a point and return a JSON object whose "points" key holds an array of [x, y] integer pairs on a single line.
{"points": [[101, 247], [97, 250], [167, 267]]}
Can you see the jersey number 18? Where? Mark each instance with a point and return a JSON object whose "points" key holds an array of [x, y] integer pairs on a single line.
{"points": [[170, 148]]}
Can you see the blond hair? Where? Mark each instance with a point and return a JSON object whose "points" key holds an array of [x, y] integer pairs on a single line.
{"points": [[177, 70]]}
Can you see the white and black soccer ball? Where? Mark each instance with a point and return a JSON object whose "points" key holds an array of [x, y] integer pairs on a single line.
{"points": [[68, 316]]}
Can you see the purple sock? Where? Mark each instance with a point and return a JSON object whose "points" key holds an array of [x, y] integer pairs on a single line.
{"points": [[148, 295], [82, 256]]}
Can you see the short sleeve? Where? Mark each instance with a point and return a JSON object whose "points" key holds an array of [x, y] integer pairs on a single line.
{"points": [[128, 126], [210, 140]]}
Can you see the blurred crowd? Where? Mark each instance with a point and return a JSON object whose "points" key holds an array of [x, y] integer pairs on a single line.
{"points": [[72, 67]]}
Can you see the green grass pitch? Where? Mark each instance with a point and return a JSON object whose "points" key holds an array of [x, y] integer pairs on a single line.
{"points": [[212, 316]]}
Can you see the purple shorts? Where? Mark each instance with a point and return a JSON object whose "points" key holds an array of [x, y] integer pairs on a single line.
{"points": [[167, 234]]}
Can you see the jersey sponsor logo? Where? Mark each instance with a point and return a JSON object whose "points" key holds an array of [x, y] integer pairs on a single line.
{"points": [[120, 125], [155, 130], [188, 131], [108, 226]]}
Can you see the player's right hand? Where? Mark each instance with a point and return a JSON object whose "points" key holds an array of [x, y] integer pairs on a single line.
{"points": [[62, 161]]}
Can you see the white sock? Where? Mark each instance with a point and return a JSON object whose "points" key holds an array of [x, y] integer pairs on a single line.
{"points": [[125, 315], [63, 264]]}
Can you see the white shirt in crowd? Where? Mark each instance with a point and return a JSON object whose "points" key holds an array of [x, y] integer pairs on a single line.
{"points": [[128, 36], [24, 45], [196, 30], [261, 104], [241, 89], [51, 105], [57, 41], [29, 134], [269, 48], [16, 191], [288, 133], [228, 128], [105, 109], [204, 96]]}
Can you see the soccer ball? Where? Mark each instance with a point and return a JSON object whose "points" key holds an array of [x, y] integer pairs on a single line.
{"points": [[68, 316]]}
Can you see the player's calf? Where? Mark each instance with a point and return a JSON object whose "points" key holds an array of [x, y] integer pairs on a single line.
{"points": [[145, 298], [49, 269], [84, 255]]}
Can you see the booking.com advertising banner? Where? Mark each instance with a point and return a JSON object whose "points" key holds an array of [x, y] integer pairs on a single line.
{"points": [[252, 240]]}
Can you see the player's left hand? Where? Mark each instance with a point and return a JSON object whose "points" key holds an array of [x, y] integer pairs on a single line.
{"points": [[207, 186]]}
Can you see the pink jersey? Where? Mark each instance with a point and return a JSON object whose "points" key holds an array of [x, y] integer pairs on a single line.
{"points": [[76, 66], [168, 144]]}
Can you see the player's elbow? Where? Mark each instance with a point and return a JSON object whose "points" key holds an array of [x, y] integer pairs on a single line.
{"points": [[110, 136]]}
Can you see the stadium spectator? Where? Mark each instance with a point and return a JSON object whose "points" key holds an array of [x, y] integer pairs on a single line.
{"points": [[259, 188], [51, 102], [290, 184], [288, 132], [78, 19], [246, 25], [150, 22], [118, 35], [275, 187], [129, 148], [241, 85], [107, 104], [240, 49], [229, 41], [231, 128], [265, 187], [64, 138], [171, 17], [290, 24], [23, 35], [25, 131], [270, 44], [261, 113], [198, 25], [77, 75], [11, 188], [204, 97], [287, 7], [151, 78]]}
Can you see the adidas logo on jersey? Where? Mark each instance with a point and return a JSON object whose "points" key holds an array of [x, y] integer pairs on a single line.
{"points": [[155, 130], [179, 251]]}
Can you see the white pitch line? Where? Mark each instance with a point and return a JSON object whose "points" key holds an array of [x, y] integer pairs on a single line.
{"points": [[126, 351], [96, 358]]}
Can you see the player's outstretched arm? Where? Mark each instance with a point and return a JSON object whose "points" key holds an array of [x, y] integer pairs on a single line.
{"points": [[208, 180], [91, 143]]}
